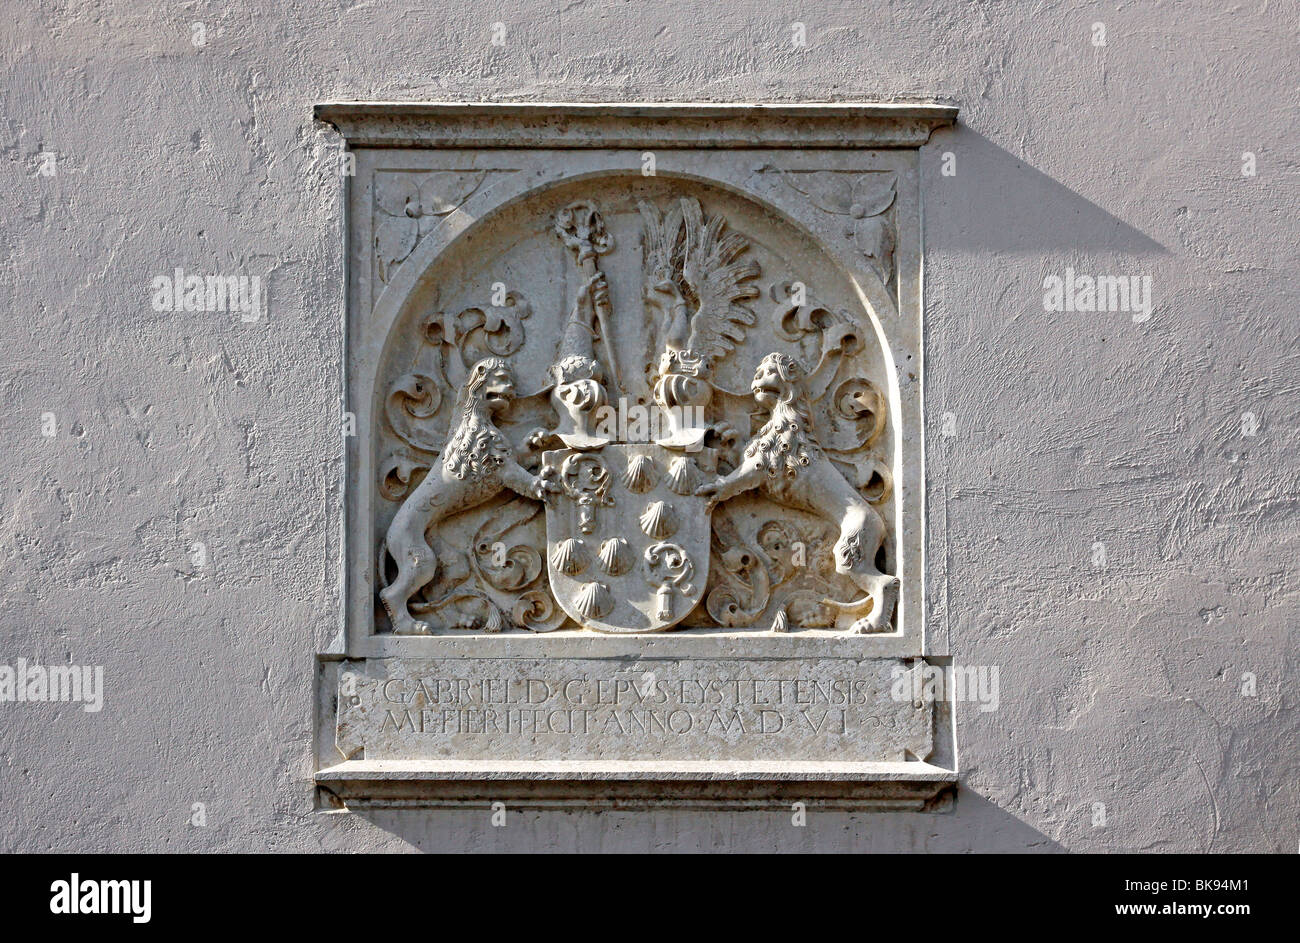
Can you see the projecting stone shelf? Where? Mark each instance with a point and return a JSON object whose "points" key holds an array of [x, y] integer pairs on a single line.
{"points": [[361, 784], [644, 124]]}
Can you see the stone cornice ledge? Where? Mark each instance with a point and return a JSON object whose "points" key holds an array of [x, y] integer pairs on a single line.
{"points": [[641, 784], [649, 124]]}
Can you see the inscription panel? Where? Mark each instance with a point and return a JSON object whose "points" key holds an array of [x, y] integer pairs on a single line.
{"points": [[600, 709]]}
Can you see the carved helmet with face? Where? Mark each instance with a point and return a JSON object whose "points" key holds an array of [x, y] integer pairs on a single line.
{"points": [[579, 382]]}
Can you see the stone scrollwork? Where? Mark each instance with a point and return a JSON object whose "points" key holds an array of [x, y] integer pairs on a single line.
{"points": [[509, 568], [415, 400], [495, 331], [853, 411], [535, 611], [802, 562], [412, 401], [859, 401], [511, 571], [855, 417], [398, 475], [743, 579], [412, 406]]}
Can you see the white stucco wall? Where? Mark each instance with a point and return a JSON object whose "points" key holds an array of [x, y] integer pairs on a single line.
{"points": [[1120, 684]]}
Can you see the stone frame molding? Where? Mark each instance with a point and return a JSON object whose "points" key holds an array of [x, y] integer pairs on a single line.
{"points": [[456, 167]]}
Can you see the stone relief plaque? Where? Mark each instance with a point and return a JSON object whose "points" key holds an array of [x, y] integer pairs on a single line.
{"points": [[635, 504]]}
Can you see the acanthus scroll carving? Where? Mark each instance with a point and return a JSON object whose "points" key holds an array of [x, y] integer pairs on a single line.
{"points": [[498, 331]]}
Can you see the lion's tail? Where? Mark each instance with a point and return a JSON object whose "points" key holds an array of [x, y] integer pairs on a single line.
{"points": [[381, 563], [854, 607]]}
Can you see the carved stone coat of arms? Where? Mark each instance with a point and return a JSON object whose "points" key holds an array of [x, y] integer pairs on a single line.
{"points": [[641, 445], [633, 498]]}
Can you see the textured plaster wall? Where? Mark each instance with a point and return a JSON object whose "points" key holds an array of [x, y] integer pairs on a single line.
{"points": [[1119, 684]]}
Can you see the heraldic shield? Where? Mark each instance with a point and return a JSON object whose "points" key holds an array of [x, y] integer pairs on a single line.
{"points": [[628, 538]]}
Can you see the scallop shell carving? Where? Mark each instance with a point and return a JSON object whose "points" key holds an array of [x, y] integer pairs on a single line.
{"points": [[682, 478], [567, 556], [593, 601], [657, 520], [640, 474], [615, 556]]}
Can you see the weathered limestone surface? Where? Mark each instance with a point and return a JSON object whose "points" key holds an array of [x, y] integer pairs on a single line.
{"points": [[804, 710], [667, 391], [1121, 684]]}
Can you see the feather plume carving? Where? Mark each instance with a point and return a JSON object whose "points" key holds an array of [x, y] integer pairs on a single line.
{"points": [[699, 265]]}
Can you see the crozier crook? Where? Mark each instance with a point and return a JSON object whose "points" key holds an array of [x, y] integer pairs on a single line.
{"points": [[582, 229]]}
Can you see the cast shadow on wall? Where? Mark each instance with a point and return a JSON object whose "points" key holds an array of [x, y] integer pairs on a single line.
{"points": [[995, 202], [971, 824]]}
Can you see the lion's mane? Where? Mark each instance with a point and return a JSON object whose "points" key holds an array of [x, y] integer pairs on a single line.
{"points": [[785, 445], [476, 448]]}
